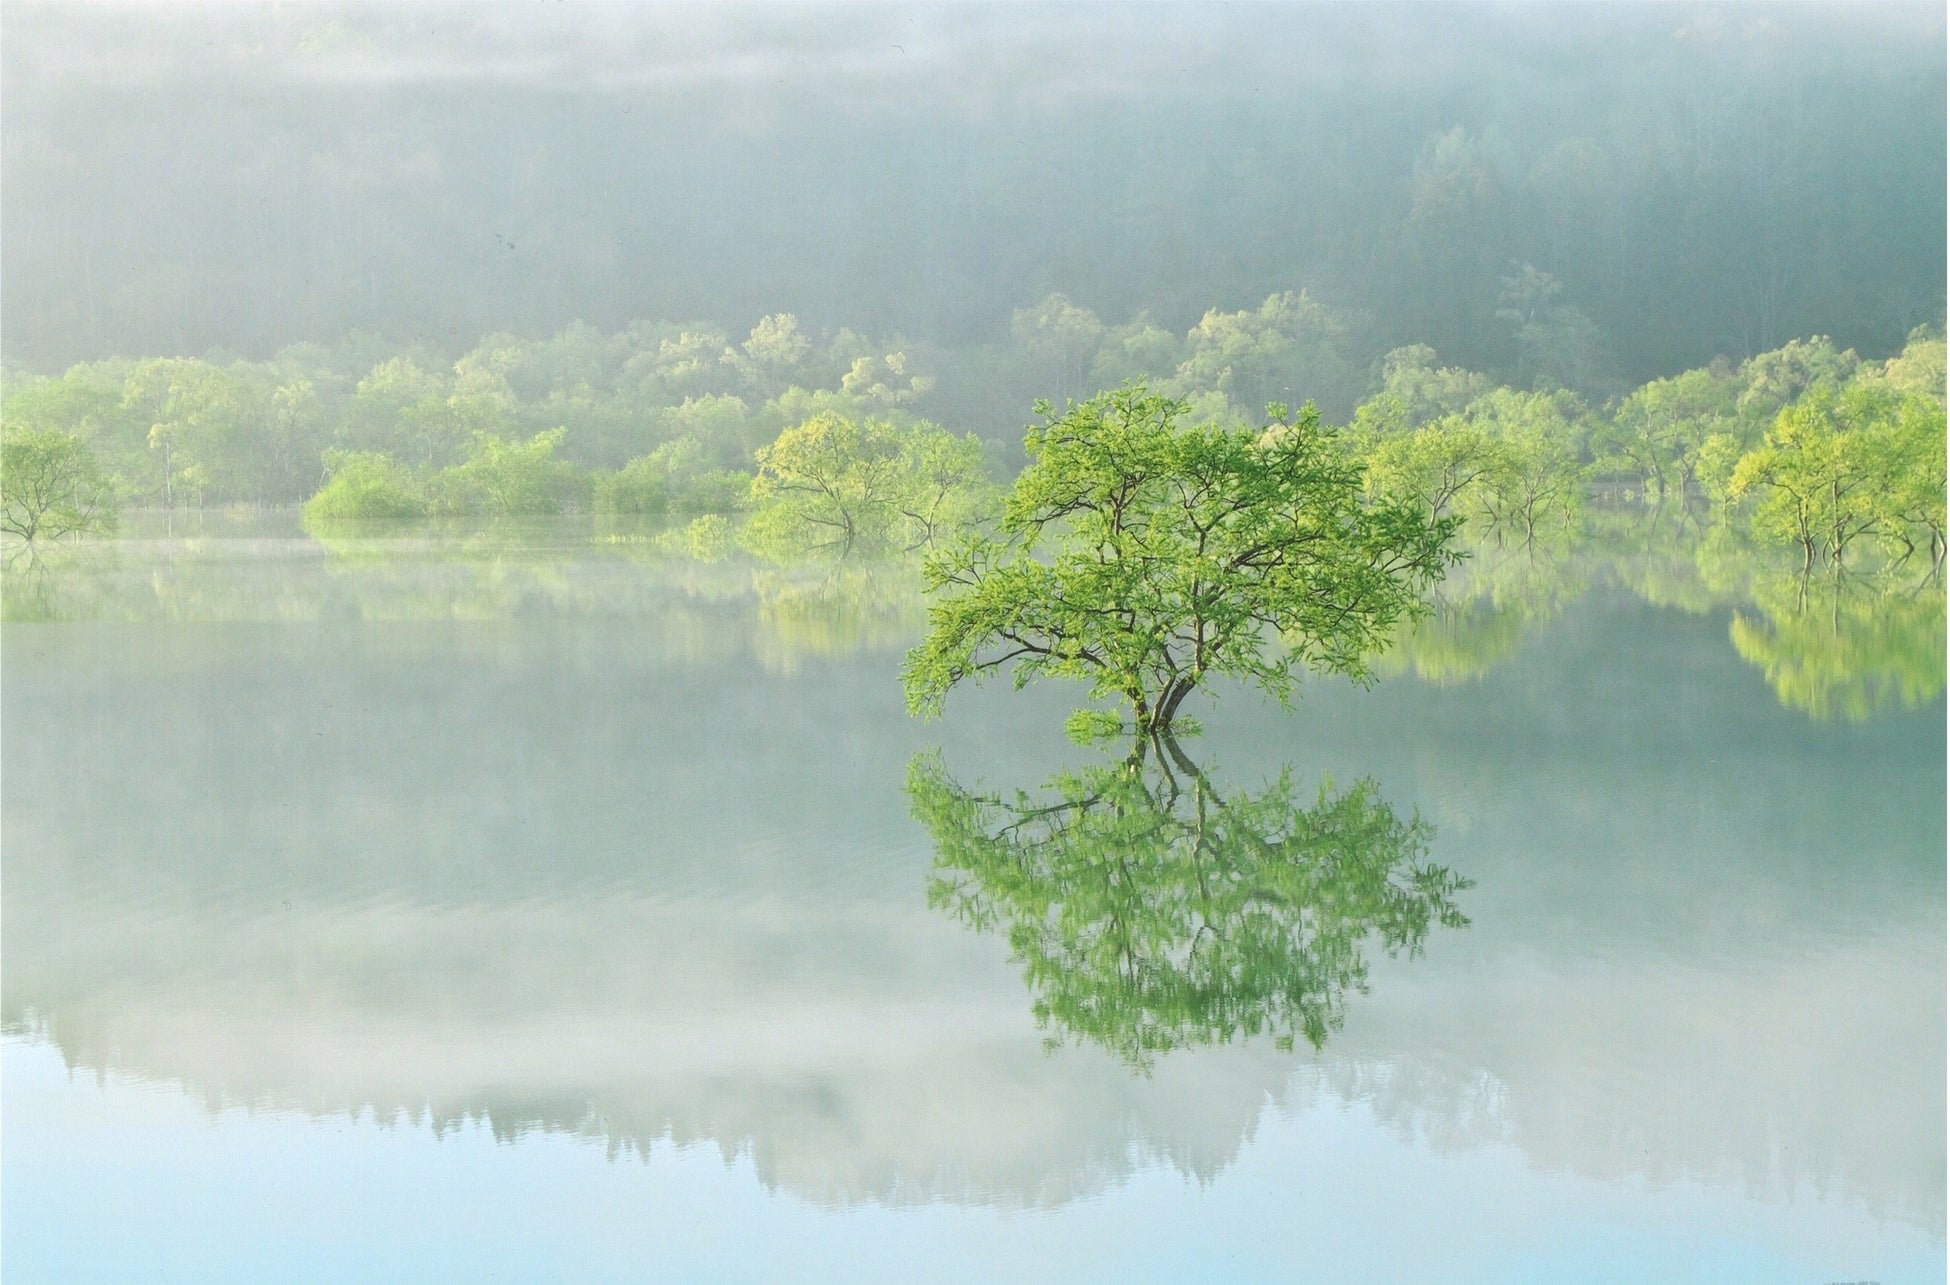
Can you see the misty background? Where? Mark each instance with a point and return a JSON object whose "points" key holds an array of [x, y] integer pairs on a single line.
{"points": [[1699, 180]]}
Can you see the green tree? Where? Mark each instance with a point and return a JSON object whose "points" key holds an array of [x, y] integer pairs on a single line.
{"points": [[403, 408], [1774, 380], [888, 380], [1151, 912], [688, 363], [677, 477], [1438, 467], [771, 355], [1138, 349], [1825, 470], [1061, 340], [723, 425], [51, 486], [1911, 500], [366, 484], [1660, 430], [840, 484], [1147, 558], [87, 401], [1558, 346], [1291, 344], [1919, 367], [830, 483], [1426, 392], [198, 420], [507, 478], [1533, 474]]}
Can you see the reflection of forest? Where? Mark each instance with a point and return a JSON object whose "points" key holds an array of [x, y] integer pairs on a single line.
{"points": [[1150, 911], [1848, 645], [1839, 646], [781, 613], [500, 874]]}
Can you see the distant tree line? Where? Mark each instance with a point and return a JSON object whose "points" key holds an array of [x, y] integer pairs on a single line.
{"points": [[1698, 180], [832, 439]]}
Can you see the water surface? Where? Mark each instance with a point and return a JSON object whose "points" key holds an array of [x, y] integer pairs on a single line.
{"points": [[538, 903]]}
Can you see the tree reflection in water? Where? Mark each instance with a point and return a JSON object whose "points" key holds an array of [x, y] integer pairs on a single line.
{"points": [[1151, 911], [1845, 646]]}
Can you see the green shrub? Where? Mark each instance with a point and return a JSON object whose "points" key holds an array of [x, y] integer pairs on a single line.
{"points": [[641, 486], [367, 484]]}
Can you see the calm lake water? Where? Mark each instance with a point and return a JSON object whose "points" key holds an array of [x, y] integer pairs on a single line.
{"points": [[525, 906]]}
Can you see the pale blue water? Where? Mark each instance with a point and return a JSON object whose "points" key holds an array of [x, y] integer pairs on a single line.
{"points": [[561, 915]]}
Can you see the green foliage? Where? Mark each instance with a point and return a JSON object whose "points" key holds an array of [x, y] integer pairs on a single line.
{"points": [[707, 538], [1838, 647], [200, 418], [401, 407], [1827, 469], [1533, 475], [1062, 341], [770, 356], [671, 418], [1148, 558], [1438, 467], [722, 427], [830, 483], [1774, 380], [641, 486], [1910, 498], [1918, 368], [837, 484], [366, 484], [888, 380], [1290, 346], [1151, 912], [1660, 430], [1424, 392], [51, 486], [1558, 346], [505, 478]]}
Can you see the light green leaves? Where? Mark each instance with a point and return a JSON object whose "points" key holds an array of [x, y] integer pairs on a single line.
{"points": [[1147, 558]]}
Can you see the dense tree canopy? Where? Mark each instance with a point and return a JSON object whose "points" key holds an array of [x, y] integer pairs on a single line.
{"points": [[1148, 557], [51, 486]]}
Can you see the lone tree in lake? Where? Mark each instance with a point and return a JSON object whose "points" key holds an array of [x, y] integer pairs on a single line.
{"points": [[1147, 556]]}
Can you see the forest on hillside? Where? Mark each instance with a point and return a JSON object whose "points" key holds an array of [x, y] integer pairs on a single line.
{"points": [[1697, 181]]}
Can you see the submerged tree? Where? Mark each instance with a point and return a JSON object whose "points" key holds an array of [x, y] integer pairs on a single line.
{"points": [[843, 485], [1150, 912], [1147, 558], [51, 486], [1828, 470]]}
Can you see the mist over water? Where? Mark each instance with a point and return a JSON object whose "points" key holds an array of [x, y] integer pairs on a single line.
{"points": [[622, 848], [520, 860]]}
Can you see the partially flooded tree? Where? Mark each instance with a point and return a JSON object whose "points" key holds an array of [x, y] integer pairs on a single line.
{"points": [[51, 486], [1148, 557], [841, 485], [1437, 468], [1825, 470], [1150, 911]]}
